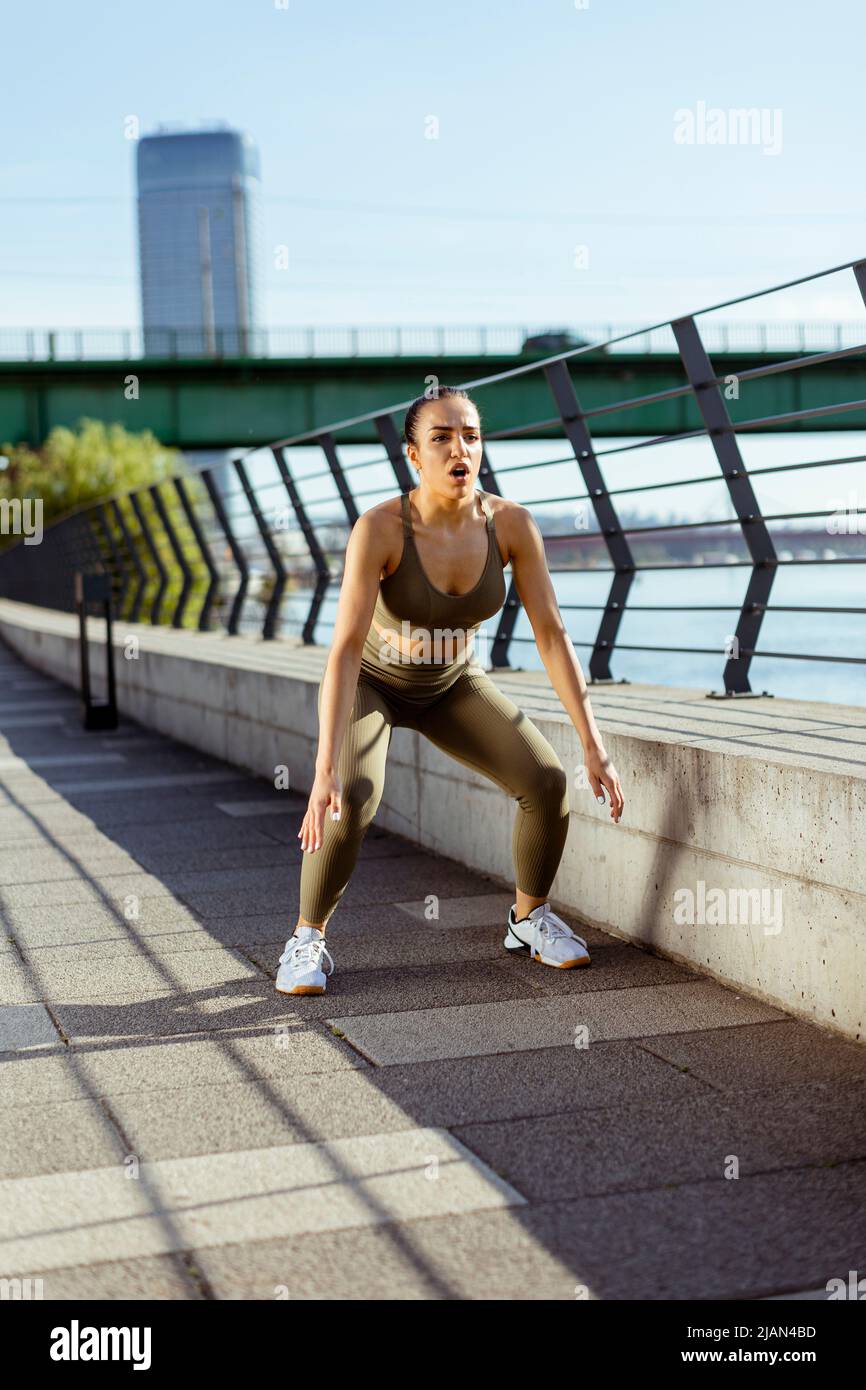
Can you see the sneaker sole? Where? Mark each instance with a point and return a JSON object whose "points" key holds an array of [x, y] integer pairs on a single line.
{"points": [[303, 989], [555, 964]]}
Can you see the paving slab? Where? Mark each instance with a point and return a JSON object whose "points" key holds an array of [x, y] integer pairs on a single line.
{"points": [[479, 1255], [482, 909], [109, 918], [17, 985], [53, 1221], [155, 1277], [812, 1227], [195, 1062], [420, 1035], [63, 979], [52, 760], [25, 1026], [46, 863], [629, 1146], [108, 888], [114, 951], [59, 1137], [181, 808], [763, 1057], [44, 1075], [197, 834], [144, 782]]}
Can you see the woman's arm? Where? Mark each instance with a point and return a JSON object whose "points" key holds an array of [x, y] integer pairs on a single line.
{"points": [[366, 555], [532, 578]]}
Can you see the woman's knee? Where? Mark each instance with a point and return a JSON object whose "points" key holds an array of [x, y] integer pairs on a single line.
{"points": [[359, 801], [550, 786]]}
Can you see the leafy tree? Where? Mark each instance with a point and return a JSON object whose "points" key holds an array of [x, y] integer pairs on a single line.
{"points": [[75, 467]]}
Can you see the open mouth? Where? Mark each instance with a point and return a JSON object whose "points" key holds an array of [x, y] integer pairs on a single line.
{"points": [[459, 471]]}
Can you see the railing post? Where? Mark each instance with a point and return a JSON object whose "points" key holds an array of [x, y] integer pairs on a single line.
{"points": [[394, 449], [577, 432], [860, 277], [117, 563], [237, 553], [329, 449], [136, 560], [273, 608], [511, 607], [155, 556], [213, 576], [722, 435], [186, 585], [95, 588], [323, 573]]}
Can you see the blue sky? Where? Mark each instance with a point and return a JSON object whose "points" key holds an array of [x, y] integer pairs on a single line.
{"points": [[556, 131]]}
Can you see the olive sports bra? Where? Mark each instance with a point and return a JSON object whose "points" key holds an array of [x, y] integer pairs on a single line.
{"points": [[407, 595]]}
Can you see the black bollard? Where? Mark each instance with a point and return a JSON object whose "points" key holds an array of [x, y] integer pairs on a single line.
{"points": [[95, 588]]}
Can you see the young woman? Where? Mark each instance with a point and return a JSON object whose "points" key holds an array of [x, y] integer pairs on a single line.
{"points": [[422, 571]]}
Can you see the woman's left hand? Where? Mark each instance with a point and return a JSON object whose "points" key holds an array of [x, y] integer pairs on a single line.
{"points": [[602, 773]]}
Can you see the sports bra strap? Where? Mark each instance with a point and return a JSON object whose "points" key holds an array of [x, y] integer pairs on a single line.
{"points": [[487, 510]]}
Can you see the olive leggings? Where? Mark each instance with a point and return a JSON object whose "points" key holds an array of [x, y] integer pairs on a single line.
{"points": [[480, 727]]}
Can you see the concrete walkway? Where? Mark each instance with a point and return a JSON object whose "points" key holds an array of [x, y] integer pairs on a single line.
{"points": [[446, 1122]]}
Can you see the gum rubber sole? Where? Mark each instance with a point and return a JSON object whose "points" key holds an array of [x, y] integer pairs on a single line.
{"points": [[304, 989], [555, 964]]}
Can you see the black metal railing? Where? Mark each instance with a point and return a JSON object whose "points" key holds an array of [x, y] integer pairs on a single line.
{"points": [[192, 551]]}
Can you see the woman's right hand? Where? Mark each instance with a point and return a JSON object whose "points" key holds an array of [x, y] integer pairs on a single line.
{"points": [[326, 793]]}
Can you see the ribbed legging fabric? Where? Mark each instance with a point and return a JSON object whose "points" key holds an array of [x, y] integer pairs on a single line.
{"points": [[480, 727]]}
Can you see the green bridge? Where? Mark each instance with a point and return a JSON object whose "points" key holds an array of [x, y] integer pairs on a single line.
{"points": [[202, 403]]}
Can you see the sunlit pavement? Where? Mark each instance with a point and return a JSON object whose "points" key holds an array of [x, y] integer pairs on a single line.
{"points": [[447, 1121]]}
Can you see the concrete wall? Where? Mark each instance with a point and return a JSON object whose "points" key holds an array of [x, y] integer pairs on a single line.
{"points": [[779, 820]]}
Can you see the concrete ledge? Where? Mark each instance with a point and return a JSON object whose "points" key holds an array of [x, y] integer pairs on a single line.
{"points": [[752, 810]]}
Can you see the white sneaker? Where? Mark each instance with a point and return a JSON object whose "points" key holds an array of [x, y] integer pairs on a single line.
{"points": [[546, 937], [302, 965]]}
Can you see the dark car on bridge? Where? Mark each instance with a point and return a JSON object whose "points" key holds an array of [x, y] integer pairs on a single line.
{"points": [[555, 340]]}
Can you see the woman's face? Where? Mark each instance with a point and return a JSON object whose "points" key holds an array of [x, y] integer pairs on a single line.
{"points": [[448, 453]]}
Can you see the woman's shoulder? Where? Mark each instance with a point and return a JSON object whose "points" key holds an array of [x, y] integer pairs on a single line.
{"points": [[510, 520], [502, 506], [384, 517], [380, 531]]}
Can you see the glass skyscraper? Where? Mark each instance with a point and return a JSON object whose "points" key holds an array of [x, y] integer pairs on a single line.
{"points": [[199, 234]]}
